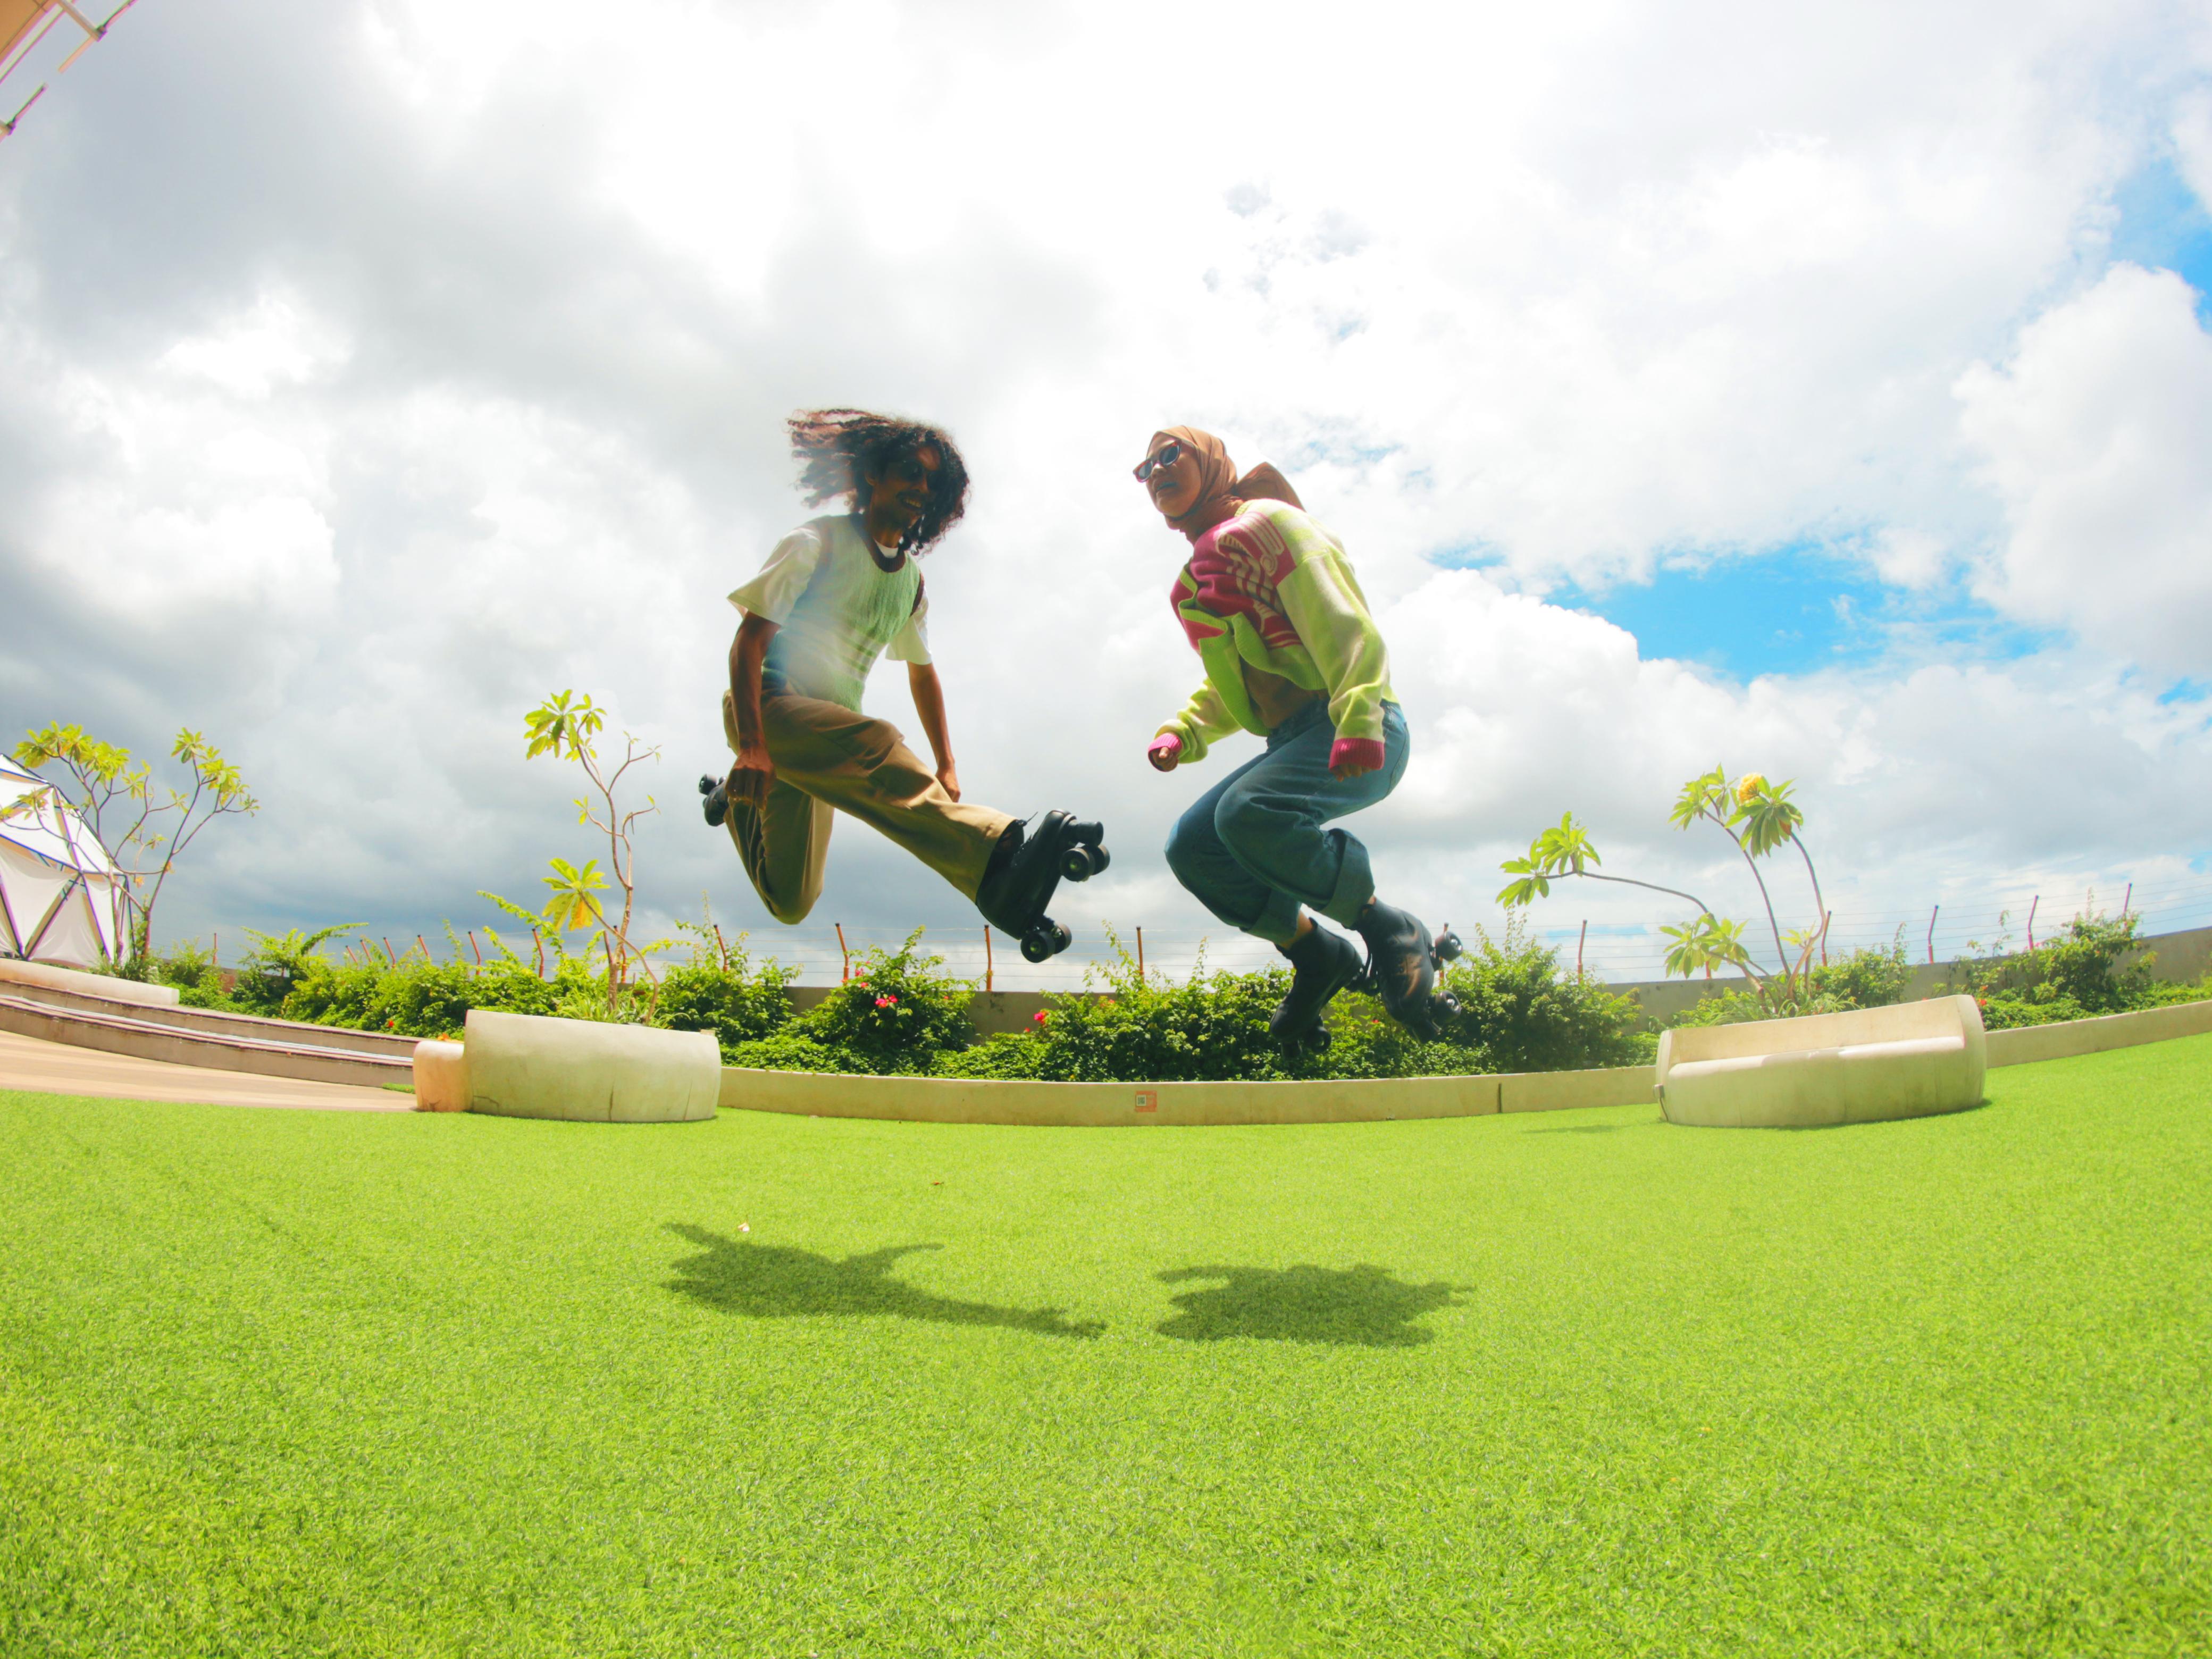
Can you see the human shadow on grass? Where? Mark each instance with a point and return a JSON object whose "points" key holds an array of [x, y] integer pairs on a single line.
{"points": [[1359, 1307], [775, 1281]]}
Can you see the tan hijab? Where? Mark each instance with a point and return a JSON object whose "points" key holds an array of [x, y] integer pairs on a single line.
{"points": [[1221, 493]]}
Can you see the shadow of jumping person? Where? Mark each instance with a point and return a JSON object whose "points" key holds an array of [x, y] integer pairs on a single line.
{"points": [[1354, 1307], [775, 1281]]}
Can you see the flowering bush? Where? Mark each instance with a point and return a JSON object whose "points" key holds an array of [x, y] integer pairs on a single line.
{"points": [[899, 1014]]}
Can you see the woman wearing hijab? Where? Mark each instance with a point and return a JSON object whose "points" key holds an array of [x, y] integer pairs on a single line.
{"points": [[1269, 603]]}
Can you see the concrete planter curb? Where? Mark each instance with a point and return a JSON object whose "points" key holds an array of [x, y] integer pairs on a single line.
{"points": [[528, 1066], [2024, 1044], [1365, 1100]]}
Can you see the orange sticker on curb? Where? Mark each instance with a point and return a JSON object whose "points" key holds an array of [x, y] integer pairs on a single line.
{"points": [[1148, 1100]]}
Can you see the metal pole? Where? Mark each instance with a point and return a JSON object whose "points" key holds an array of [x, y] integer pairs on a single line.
{"points": [[474, 949], [1140, 953], [389, 951], [1578, 947], [426, 949], [990, 973], [2032, 903], [844, 973], [1931, 936], [2123, 902]]}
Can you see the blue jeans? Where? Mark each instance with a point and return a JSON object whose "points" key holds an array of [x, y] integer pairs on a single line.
{"points": [[1252, 848]]}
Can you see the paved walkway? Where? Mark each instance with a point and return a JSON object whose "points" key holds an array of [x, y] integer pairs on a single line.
{"points": [[56, 1068]]}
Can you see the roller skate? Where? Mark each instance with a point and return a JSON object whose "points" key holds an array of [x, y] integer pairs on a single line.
{"points": [[716, 805], [1028, 864], [1322, 963], [1402, 962]]}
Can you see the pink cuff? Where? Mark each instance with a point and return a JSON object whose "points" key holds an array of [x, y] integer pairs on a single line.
{"points": [[1165, 746], [1364, 751]]}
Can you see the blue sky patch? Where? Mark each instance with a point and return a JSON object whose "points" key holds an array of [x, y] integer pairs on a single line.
{"points": [[2162, 225], [1795, 609]]}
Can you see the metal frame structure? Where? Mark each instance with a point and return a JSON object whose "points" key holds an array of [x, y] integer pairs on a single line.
{"points": [[25, 23]]}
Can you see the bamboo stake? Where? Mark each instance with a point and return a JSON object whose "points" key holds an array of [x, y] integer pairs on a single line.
{"points": [[426, 949], [389, 951], [844, 973], [1931, 936], [2032, 903], [1141, 954], [2123, 902], [989, 974], [1579, 943], [474, 949]]}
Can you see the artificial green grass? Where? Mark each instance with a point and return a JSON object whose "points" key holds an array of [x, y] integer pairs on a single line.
{"points": [[278, 1382]]}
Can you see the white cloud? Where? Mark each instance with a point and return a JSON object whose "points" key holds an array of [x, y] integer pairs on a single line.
{"points": [[2095, 434]]}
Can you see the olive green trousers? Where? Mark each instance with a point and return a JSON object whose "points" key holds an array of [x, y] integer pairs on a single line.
{"points": [[828, 757]]}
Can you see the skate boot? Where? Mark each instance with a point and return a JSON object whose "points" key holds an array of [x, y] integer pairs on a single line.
{"points": [[1401, 968], [1322, 963], [1030, 862], [716, 804]]}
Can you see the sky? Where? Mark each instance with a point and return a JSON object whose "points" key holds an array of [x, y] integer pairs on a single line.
{"points": [[1819, 391]]}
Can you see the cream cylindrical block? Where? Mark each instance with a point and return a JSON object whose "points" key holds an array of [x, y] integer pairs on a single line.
{"points": [[528, 1066], [441, 1076]]}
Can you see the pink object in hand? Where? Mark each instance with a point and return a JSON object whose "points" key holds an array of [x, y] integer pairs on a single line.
{"points": [[1360, 751], [1165, 749]]}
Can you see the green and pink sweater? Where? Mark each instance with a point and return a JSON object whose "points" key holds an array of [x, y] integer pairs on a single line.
{"points": [[1272, 591]]}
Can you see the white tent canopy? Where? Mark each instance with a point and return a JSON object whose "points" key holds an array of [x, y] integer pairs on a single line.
{"points": [[61, 896]]}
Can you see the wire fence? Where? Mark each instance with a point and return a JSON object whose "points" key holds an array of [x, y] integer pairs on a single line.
{"points": [[1978, 922]]}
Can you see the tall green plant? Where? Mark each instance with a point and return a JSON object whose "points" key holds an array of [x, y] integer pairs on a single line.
{"points": [[565, 727], [1759, 817]]}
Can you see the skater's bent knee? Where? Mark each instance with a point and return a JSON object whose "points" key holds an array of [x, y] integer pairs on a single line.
{"points": [[1244, 823], [1189, 845]]}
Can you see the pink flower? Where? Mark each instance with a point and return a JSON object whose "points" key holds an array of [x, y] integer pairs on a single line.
{"points": [[886, 1002], [1040, 1016]]}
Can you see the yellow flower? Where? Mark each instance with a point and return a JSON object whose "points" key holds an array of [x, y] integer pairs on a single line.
{"points": [[1747, 787]]}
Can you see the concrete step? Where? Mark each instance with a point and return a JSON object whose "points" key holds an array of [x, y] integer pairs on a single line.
{"points": [[340, 1057], [219, 1022]]}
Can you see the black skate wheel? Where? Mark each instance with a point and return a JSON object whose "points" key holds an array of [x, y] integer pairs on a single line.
{"points": [[1037, 944], [706, 785], [1447, 945], [1078, 864], [1100, 858], [1444, 1004]]}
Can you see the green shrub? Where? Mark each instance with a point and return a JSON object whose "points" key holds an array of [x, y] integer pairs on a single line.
{"points": [[1516, 1014], [2080, 971], [192, 971], [1522, 1015], [898, 1014], [1867, 978], [722, 991]]}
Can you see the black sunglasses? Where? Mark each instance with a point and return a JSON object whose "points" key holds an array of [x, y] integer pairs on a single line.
{"points": [[1166, 455]]}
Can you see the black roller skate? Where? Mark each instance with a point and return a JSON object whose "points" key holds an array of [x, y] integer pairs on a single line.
{"points": [[716, 804], [1402, 961], [1025, 867], [1322, 963]]}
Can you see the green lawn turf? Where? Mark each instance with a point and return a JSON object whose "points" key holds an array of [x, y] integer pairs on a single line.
{"points": [[296, 1382]]}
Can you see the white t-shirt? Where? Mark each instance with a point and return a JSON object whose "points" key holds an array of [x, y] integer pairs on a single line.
{"points": [[836, 610]]}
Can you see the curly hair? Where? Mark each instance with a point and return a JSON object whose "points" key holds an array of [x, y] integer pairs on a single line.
{"points": [[840, 450]]}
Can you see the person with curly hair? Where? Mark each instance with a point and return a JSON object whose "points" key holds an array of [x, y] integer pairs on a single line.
{"points": [[1268, 601], [837, 594]]}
